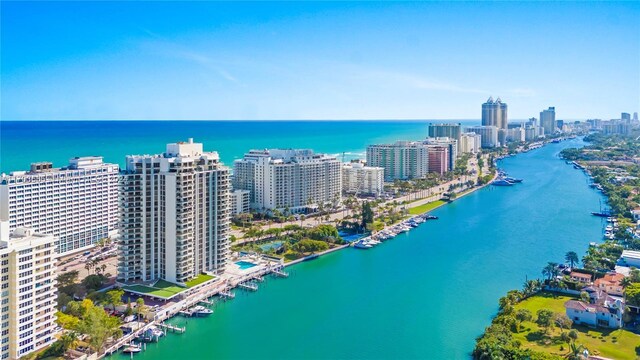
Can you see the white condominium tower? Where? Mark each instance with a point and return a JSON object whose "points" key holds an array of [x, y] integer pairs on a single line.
{"points": [[401, 160], [494, 113], [77, 204], [360, 179], [28, 291], [488, 135], [470, 143], [288, 178], [175, 215]]}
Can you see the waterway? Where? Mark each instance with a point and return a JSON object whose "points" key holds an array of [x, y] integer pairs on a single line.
{"points": [[427, 294]]}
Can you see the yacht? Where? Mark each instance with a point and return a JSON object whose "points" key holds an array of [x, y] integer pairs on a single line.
{"points": [[513, 180], [501, 182], [132, 349], [200, 310], [362, 245]]}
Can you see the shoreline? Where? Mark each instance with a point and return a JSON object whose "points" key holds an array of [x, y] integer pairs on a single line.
{"points": [[218, 287]]}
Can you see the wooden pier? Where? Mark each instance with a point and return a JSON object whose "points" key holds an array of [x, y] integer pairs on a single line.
{"points": [[173, 328]]}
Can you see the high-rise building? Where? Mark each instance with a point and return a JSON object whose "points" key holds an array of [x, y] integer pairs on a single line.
{"points": [[175, 215], [451, 131], [488, 135], [548, 120], [28, 291], [635, 116], [439, 159], [450, 144], [77, 204], [362, 180], [616, 127], [494, 113], [559, 124], [401, 160], [288, 178], [625, 117], [516, 135], [470, 143], [240, 202]]}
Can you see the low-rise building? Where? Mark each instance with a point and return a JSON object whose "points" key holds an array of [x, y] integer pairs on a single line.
{"points": [[630, 258], [611, 283], [608, 314], [28, 291], [580, 277], [240, 201], [360, 179]]}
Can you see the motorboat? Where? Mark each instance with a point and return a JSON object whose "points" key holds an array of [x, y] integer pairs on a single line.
{"points": [[200, 310], [132, 349]]}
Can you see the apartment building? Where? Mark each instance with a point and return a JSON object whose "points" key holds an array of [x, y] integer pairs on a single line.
{"points": [[77, 204], [362, 180], [450, 144], [240, 202], [401, 160], [27, 291], [296, 179], [175, 215], [439, 159], [470, 143], [488, 135]]}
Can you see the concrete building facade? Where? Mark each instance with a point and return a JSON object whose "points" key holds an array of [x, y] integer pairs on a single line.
{"points": [[401, 160], [288, 178], [548, 120], [470, 143], [240, 202], [77, 204], [28, 291], [175, 211], [360, 179], [494, 113], [488, 135]]}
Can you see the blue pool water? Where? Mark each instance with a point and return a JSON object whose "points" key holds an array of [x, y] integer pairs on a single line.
{"points": [[245, 264]]}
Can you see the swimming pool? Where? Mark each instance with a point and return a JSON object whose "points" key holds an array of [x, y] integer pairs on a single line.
{"points": [[245, 264]]}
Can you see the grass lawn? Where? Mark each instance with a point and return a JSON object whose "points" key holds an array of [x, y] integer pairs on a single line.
{"points": [[426, 207], [198, 280], [615, 344], [150, 291]]}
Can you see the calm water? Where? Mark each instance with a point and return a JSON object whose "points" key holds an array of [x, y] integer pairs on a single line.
{"points": [[24, 142], [424, 295]]}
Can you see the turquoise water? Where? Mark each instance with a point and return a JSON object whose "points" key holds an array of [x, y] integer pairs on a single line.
{"points": [[24, 142], [424, 295], [245, 264]]}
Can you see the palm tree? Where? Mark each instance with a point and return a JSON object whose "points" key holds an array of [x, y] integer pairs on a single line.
{"points": [[576, 351], [626, 282], [572, 258], [550, 270]]}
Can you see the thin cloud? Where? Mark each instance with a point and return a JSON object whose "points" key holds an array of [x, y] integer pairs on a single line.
{"points": [[415, 81]]}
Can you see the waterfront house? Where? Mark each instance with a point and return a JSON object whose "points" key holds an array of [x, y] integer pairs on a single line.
{"points": [[580, 277], [608, 314], [611, 283]]}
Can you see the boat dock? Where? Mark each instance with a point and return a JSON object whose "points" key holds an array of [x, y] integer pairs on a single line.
{"points": [[248, 286], [280, 272], [173, 328], [207, 302]]}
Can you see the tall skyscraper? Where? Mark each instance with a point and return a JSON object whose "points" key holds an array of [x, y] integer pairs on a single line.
{"points": [[625, 117], [494, 113], [288, 178], [452, 146], [175, 211], [401, 160], [451, 131], [635, 116], [28, 296], [77, 204], [548, 120]]}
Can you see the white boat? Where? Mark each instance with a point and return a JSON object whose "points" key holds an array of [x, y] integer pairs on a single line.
{"points": [[609, 228], [132, 349], [200, 310], [362, 245]]}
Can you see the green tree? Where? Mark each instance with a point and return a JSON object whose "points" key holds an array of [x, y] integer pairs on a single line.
{"points": [[572, 258], [562, 321], [523, 315], [367, 215], [545, 319], [68, 278], [99, 327], [632, 294], [114, 297], [140, 306]]}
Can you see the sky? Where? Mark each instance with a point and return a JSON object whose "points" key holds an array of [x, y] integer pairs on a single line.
{"points": [[99, 60]]}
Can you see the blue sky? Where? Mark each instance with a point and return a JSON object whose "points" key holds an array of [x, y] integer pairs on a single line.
{"points": [[210, 60]]}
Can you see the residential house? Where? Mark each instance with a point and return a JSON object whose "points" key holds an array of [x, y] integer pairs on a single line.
{"points": [[580, 277], [611, 283], [608, 314]]}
